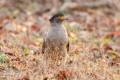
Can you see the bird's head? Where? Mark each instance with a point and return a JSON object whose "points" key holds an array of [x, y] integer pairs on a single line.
{"points": [[57, 18]]}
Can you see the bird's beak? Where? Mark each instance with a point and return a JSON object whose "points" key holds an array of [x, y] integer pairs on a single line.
{"points": [[68, 19]]}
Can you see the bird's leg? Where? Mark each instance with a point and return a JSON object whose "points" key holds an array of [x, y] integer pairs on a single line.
{"points": [[43, 47], [68, 46]]}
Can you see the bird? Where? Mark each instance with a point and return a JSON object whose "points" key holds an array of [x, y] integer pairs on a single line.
{"points": [[55, 46]]}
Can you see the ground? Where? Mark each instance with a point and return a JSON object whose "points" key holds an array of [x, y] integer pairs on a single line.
{"points": [[94, 35]]}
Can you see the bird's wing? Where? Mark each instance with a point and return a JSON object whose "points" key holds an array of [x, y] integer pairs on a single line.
{"points": [[43, 46], [68, 46]]}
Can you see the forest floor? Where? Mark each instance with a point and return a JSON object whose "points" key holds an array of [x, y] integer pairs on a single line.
{"points": [[94, 36]]}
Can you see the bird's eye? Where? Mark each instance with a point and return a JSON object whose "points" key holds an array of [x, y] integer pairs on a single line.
{"points": [[61, 17]]}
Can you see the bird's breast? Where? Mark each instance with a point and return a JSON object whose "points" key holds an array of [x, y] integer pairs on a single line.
{"points": [[57, 36]]}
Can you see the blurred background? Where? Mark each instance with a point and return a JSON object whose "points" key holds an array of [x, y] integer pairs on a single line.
{"points": [[94, 34]]}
